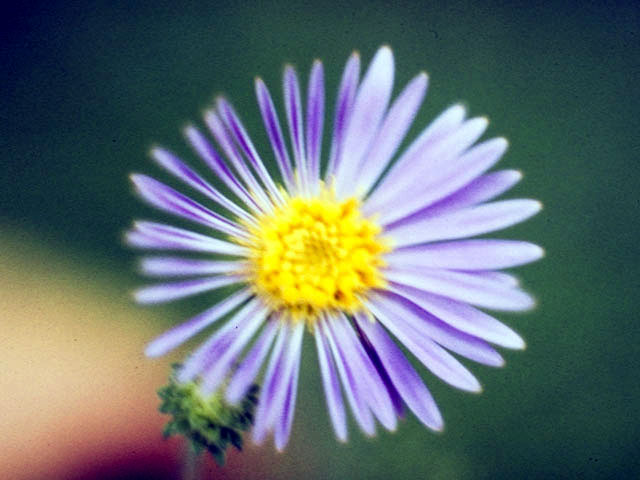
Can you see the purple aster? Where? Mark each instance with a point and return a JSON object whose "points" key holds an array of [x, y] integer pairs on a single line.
{"points": [[351, 251]]}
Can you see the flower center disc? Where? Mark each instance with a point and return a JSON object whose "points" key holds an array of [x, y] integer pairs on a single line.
{"points": [[312, 255]]}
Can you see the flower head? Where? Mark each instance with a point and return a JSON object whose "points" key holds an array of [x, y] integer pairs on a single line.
{"points": [[347, 249]]}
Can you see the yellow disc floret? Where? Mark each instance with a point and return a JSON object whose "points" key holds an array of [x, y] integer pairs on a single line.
{"points": [[312, 255]]}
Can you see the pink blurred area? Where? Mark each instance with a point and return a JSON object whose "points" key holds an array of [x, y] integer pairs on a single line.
{"points": [[78, 396]]}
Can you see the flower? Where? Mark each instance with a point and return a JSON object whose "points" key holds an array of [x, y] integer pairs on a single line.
{"points": [[351, 251]]}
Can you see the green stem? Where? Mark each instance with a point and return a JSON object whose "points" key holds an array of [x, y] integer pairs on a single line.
{"points": [[192, 463]]}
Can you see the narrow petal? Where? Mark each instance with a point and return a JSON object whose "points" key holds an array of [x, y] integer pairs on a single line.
{"points": [[357, 403], [218, 371], [250, 365], [274, 369], [293, 108], [465, 288], [165, 237], [432, 356], [225, 140], [485, 254], [368, 110], [505, 278], [448, 179], [272, 126], [240, 135], [206, 151], [444, 125], [331, 387], [430, 327], [186, 267], [463, 317], [183, 332], [167, 292], [167, 199], [370, 383], [215, 346], [344, 107], [402, 374], [393, 130], [176, 167], [427, 164], [283, 425], [463, 223], [315, 120]]}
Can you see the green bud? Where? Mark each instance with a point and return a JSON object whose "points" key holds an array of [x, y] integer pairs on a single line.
{"points": [[206, 420]]}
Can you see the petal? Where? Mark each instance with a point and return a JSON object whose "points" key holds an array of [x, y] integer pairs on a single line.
{"points": [[165, 237], [184, 267], [272, 126], [176, 167], [463, 287], [432, 356], [432, 161], [167, 292], [485, 254], [435, 329], [250, 365], [283, 426], [393, 130], [368, 110], [463, 317], [463, 223], [331, 387], [293, 109], [404, 377], [344, 107], [447, 179], [315, 120], [167, 199], [355, 398], [183, 332]]}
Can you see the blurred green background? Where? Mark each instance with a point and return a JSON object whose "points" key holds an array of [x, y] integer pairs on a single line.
{"points": [[88, 87]]}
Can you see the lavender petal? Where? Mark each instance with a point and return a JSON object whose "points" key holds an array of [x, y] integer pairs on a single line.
{"points": [[167, 292], [315, 119]]}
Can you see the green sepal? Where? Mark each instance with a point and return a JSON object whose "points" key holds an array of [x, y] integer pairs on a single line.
{"points": [[207, 421]]}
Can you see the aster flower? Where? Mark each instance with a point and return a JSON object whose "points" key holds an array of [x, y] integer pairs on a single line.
{"points": [[349, 250]]}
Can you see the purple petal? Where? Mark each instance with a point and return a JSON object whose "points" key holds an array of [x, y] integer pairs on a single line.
{"points": [[225, 141], [486, 187], [355, 398], [426, 164], [165, 237], [184, 267], [206, 151], [485, 254], [183, 332], [283, 427], [432, 356], [331, 388], [241, 136], [448, 179], [463, 223], [207, 353], [293, 108], [344, 107], [250, 365], [315, 119], [272, 125], [463, 287], [167, 199], [176, 167], [368, 380], [168, 292], [393, 130], [432, 328], [505, 278], [217, 373], [368, 110], [444, 125], [402, 374]]}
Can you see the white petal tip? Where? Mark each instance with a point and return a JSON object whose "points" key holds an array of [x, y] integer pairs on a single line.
{"points": [[153, 350]]}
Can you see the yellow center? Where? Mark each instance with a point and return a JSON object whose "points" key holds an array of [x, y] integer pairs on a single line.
{"points": [[312, 255]]}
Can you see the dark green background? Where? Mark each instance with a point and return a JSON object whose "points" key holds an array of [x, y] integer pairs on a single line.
{"points": [[88, 87]]}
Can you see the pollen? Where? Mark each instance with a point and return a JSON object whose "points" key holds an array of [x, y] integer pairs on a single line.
{"points": [[314, 255]]}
